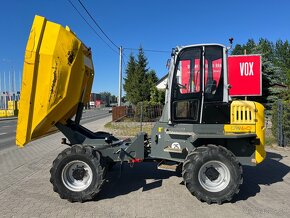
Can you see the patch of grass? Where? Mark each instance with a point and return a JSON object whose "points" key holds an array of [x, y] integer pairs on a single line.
{"points": [[128, 129], [108, 125], [270, 140]]}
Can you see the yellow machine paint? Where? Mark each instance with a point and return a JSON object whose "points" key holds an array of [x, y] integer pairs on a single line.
{"points": [[248, 117], [57, 76]]}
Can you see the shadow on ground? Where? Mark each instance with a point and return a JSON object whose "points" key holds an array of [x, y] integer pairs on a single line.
{"points": [[133, 179], [268, 172]]}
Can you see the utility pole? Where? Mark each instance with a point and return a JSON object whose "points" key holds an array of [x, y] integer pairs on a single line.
{"points": [[14, 87], [5, 95], [120, 76], [9, 86], [19, 80]]}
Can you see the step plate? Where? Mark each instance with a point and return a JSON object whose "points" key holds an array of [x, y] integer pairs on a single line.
{"points": [[167, 167], [173, 150]]}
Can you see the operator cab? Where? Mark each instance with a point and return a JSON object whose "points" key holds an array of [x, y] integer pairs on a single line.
{"points": [[199, 85]]}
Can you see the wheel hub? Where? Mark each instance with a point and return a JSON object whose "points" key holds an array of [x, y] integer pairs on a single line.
{"points": [[214, 176], [212, 173], [79, 173]]}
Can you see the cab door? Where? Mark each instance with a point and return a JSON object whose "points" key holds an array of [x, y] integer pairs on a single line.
{"points": [[187, 86]]}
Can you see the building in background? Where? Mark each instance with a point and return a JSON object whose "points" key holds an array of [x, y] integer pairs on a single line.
{"points": [[10, 84], [162, 83]]}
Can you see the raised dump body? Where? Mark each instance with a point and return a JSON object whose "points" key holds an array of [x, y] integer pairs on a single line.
{"points": [[57, 77]]}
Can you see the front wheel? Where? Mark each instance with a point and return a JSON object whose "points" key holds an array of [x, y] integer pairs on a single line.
{"points": [[77, 174], [212, 174]]}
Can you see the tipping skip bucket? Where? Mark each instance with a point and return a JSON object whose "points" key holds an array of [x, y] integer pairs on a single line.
{"points": [[57, 76]]}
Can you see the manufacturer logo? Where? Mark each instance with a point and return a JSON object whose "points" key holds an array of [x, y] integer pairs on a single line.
{"points": [[241, 128], [175, 145]]}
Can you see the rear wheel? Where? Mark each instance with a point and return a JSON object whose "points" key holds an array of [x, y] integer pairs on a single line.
{"points": [[212, 174], [77, 174]]}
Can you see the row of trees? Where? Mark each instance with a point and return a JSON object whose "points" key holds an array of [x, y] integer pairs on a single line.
{"points": [[140, 81], [108, 98], [275, 68], [276, 74]]}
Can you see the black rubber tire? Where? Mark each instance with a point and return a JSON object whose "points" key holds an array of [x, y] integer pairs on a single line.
{"points": [[86, 155], [202, 155]]}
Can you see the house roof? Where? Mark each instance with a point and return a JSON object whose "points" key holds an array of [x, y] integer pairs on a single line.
{"points": [[162, 79]]}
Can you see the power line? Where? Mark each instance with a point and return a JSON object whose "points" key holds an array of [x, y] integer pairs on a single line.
{"points": [[148, 50], [92, 27], [95, 22], [98, 25]]}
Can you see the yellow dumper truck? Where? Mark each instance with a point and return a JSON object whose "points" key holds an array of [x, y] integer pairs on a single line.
{"points": [[200, 131]]}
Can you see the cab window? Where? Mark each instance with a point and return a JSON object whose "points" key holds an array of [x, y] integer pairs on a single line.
{"points": [[187, 86], [213, 73]]}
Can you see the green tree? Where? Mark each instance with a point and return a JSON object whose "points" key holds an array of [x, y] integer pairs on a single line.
{"points": [[271, 73], [139, 80], [250, 46], [157, 96], [142, 74], [106, 97], [151, 78], [131, 80], [275, 72], [238, 50], [283, 60]]}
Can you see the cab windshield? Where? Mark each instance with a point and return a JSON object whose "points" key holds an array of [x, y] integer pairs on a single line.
{"points": [[198, 79], [189, 67]]}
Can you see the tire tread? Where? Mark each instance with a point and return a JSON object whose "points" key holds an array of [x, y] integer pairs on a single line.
{"points": [[198, 155], [95, 160]]}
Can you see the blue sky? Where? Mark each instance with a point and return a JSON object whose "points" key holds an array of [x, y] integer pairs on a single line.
{"points": [[154, 24]]}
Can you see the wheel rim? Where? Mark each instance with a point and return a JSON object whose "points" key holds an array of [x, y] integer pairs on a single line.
{"points": [[77, 175], [214, 176]]}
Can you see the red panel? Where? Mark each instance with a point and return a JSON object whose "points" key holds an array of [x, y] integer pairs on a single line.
{"points": [[196, 79], [245, 75], [185, 73], [217, 69]]}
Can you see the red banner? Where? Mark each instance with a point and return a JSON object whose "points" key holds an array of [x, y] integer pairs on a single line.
{"points": [[245, 75]]}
